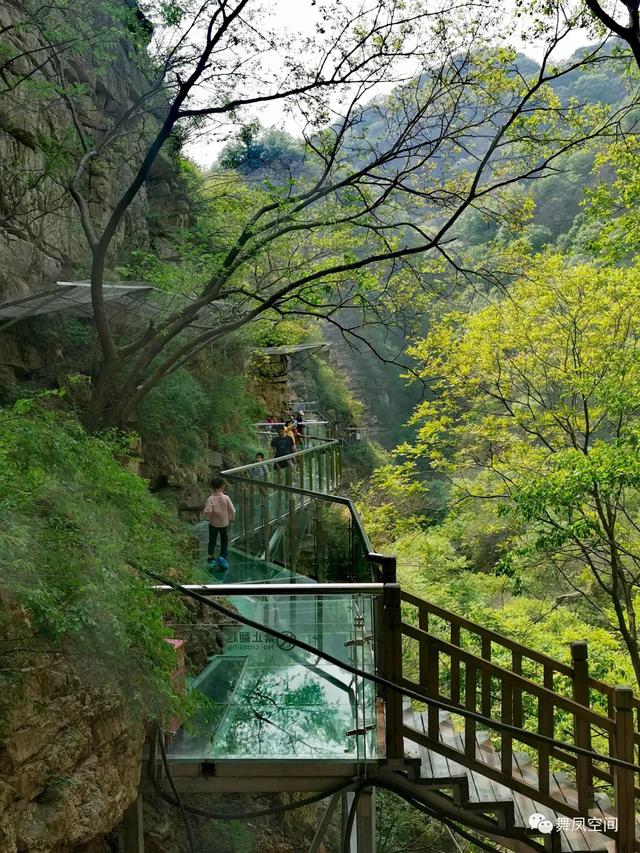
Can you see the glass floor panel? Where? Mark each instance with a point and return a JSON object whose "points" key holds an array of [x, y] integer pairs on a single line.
{"points": [[267, 699]]}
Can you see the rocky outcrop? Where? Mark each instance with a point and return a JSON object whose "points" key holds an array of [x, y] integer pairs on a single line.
{"points": [[69, 751]]}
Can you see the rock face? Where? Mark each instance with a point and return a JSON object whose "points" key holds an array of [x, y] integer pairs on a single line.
{"points": [[69, 752], [41, 240]]}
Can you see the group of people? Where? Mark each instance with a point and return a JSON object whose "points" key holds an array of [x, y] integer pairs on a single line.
{"points": [[219, 509], [293, 426]]}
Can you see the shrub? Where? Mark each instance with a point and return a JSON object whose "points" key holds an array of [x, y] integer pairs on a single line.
{"points": [[74, 527]]}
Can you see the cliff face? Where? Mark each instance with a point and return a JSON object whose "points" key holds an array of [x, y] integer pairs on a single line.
{"points": [[41, 240], [69, 752]]}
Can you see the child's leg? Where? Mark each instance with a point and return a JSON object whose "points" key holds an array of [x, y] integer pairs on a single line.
{"points": [[213, 538], [224, 542]]}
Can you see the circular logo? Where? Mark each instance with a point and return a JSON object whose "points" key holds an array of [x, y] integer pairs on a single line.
{"points": [[283, 644], [539, 821]]}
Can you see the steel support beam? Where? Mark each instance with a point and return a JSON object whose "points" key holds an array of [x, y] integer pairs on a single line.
{"points": [[366, 822], [321, 831]]}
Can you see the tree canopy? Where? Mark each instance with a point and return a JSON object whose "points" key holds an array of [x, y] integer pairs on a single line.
{"points": [[537, 398], [379, 187]]}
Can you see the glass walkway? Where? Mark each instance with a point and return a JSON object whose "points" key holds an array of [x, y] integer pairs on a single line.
{"points": [[268, 699]]}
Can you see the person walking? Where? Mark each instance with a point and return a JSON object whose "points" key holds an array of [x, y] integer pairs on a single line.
{"points": [[290, 430], [259, 471], [220, 513], [282, 445]]}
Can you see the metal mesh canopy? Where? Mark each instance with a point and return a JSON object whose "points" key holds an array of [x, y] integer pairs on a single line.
{"points": [[74, 297], [292, 349]]}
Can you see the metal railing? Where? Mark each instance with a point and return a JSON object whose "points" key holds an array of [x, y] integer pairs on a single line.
{"points": [[315, 428]]}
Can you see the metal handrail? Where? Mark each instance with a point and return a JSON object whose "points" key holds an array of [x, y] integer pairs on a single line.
{"points": [[283, 423], [267, 589], [323, 443]]}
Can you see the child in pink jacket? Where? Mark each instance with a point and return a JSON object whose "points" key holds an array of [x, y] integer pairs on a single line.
{"points": [[219, 512]]}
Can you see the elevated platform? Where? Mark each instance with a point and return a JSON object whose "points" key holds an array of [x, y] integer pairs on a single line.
{"points": [[529, 752]]}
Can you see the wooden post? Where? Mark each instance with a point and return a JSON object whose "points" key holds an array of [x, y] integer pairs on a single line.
{"points": [[581, 727], [623, 781], [506, 738], [366, 822], [432, 672], [455, 665], [392, 669], [470, 699], [545, 727], [388, 567], [516, 666]]}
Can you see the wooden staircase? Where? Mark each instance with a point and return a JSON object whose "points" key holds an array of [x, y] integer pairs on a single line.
{"points": [[551, 741], [474, 793]]}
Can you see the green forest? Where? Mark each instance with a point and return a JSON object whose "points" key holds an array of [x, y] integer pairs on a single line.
{"points": [[420, 216]]}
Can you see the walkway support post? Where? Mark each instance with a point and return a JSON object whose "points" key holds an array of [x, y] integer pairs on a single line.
{"points": [[133, 827], [366, 822], [581, 727], [623, 781], [388, 567], [392, 670]]}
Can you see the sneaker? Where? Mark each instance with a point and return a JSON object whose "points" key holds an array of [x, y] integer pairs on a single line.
{"points": [[222, 563]]}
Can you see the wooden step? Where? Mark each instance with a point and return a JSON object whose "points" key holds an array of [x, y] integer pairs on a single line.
{"points": [[477, 793]]}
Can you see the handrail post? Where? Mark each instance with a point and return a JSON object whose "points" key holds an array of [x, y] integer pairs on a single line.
{"points": [[388, 566], [581, 727], [623, 781], [392, 670]]}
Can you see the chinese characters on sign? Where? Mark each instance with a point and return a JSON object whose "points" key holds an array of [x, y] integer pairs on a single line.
{"points": [[568, 824], [240, 640]]}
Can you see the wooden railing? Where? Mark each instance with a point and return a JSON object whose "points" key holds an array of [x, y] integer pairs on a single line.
{"points": [[448, 658]]}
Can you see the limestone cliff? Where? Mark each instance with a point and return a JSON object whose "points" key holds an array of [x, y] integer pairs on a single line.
{"points": [[69, 751]]}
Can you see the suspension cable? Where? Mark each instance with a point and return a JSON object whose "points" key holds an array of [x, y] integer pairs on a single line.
{"points": [[385, 682]]}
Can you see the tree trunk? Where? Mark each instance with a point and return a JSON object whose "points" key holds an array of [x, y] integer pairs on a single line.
{"points": [[103, 409]]}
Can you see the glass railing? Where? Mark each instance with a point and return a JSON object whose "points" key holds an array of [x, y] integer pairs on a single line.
{"points": [[316, 537], [268, 699], [317, 467]]}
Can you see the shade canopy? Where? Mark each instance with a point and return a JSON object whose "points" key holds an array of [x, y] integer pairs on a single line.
{"points": [[74, 297]]}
